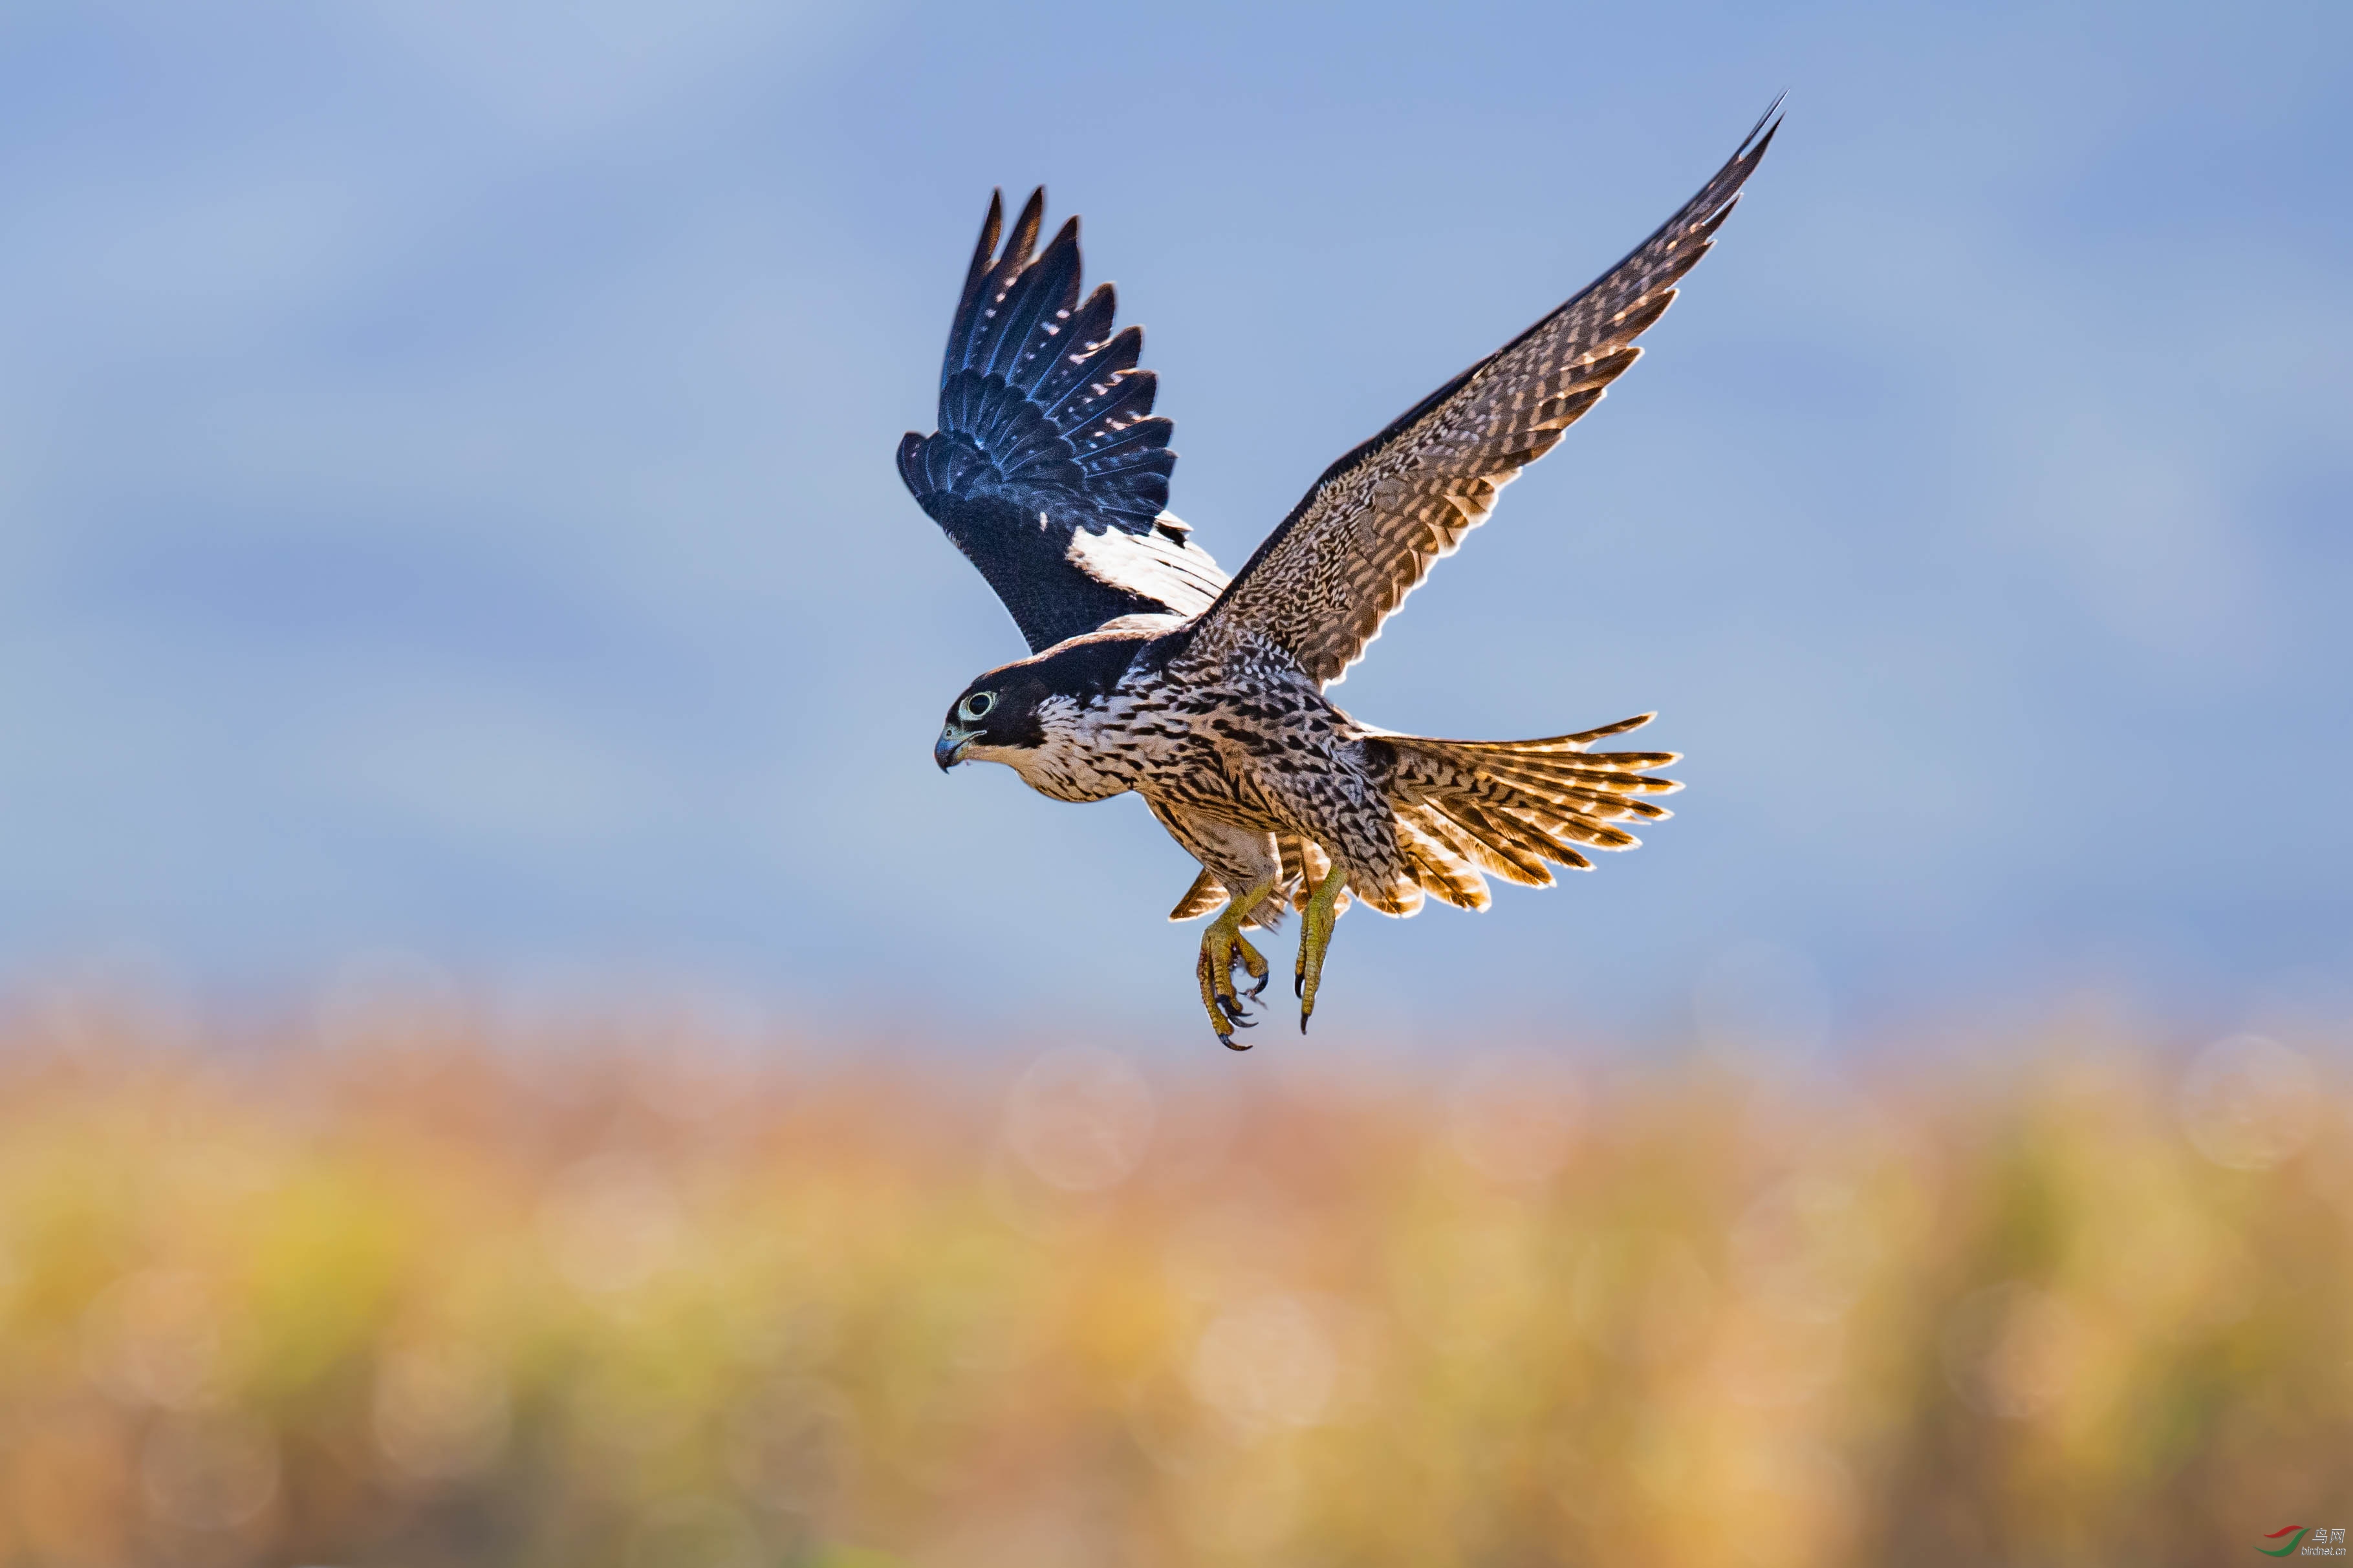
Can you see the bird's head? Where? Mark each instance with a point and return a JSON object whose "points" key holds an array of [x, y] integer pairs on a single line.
{"points": [[995, 714], [1009, 713]]}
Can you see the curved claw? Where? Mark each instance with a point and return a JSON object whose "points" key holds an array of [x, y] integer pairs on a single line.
{"points": [[1233, 1043], [1248, 958], [1314, 940], [1225, 953], [1224, 1003]]}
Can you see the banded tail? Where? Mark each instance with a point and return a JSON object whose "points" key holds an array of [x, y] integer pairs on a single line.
{"points": [[1466, 810]]}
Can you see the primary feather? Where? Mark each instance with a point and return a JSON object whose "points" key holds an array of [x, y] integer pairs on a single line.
{"points": [[1366, 534], [1049, 470]]}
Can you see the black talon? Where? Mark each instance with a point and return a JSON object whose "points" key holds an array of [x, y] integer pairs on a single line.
{"points": [[1231, 1044], [1258, 990]]}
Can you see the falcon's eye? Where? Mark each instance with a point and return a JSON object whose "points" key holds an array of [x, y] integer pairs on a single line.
{"points": [[978, 705]]}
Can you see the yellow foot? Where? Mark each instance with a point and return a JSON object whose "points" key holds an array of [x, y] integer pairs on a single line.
{"points": [[1314, 937], [1223, 948]]}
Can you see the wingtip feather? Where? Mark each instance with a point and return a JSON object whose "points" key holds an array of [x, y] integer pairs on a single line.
{"points": [[1024, 243], [1760, 136], [984, 253]]}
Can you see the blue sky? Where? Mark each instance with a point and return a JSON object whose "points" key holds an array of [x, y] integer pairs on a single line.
{"points": [[445, 498]]}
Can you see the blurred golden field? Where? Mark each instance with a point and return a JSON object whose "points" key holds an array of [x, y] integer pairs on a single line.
{"points": [[398, 1284]]}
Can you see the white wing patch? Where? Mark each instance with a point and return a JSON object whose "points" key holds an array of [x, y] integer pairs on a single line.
{"points": [[1162, 564]]}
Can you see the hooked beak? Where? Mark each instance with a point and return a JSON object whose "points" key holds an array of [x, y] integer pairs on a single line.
{"points": [[948, 750]]}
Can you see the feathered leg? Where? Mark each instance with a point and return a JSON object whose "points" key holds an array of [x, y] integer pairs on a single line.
{"points": [[1241, 865]]}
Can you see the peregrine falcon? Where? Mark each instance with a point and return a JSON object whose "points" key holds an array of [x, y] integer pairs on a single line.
{"points": [[1151, 671]]}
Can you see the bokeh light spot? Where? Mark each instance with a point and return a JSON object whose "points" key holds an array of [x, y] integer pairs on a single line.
{"points": [[1266, 1362], [2011, 1350], [211, 1471], [1080, 1118], [2249, 1102]]}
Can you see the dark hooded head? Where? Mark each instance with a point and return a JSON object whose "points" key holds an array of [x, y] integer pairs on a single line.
{"points": [[1010, 710]]}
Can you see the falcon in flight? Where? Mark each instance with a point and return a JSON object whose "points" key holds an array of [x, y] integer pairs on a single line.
{"points": [[1152, 670]]}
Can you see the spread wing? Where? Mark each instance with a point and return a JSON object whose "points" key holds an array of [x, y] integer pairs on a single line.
{"points": [[1047, 469], [1364, 536]]}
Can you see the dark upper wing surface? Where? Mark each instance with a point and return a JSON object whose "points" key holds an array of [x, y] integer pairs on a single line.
{"points": [[1048, 470], [1366, 535]]}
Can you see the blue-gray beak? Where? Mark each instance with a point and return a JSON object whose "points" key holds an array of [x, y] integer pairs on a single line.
{"points": [[949, 749]]}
